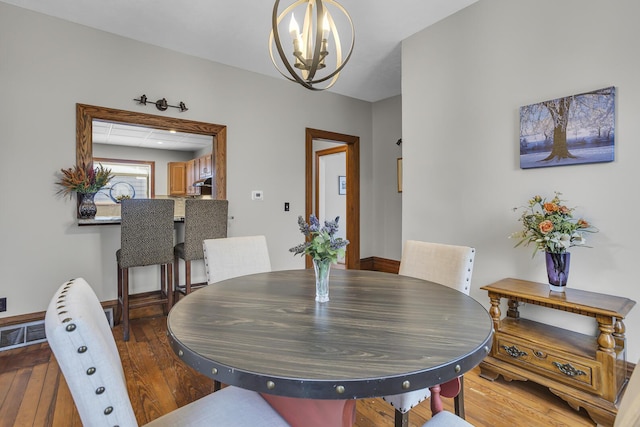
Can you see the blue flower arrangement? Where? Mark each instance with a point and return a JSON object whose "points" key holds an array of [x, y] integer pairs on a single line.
{"points": [[321, 243]]}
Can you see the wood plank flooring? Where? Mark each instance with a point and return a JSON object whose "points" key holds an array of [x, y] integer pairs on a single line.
{"points": [[33, 391]]}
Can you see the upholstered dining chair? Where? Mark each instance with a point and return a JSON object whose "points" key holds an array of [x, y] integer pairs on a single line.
{"points": [[235, 256], [203, 219], [146, 238], [629, 408], [446, 419], [448, 265], [82, 342]]}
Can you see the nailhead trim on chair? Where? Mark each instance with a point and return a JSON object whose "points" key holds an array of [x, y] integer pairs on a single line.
{"points": [[71, 327]]}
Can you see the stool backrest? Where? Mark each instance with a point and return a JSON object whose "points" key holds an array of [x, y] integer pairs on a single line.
{"points": [[203, 219], [146, 232], [235, 256], [81, 340]]}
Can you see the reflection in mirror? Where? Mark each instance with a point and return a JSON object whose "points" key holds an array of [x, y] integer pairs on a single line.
{"points": [[126, 137]]}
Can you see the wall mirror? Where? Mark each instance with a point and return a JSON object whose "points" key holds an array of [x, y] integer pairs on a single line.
{"points": [[88, 116]]}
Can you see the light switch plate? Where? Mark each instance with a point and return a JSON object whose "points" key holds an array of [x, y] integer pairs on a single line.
{"points": [[257, 195]]}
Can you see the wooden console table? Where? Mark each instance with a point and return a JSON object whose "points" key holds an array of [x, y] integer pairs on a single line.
{"points": [[586, 371]]}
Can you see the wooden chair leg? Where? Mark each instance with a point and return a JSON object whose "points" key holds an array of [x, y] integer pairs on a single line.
{"points": [[169, 281], [125, 303], [187, 277], [176, 279], [401, 419], [216, 385], [458, 400], [436, 400], [118, 313]]}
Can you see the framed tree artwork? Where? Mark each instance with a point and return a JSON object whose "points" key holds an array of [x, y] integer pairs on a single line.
{"points": [[568, 131]]}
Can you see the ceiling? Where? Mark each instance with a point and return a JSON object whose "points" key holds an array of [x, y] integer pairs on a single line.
{"points": [[236, 32], [144, 137]]}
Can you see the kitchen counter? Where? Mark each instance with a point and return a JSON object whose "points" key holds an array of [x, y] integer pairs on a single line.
{"points": [[110, 220]]}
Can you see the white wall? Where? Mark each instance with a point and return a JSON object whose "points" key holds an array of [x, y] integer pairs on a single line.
{"points": [[463, 82], [48, 65], [387, 202]]}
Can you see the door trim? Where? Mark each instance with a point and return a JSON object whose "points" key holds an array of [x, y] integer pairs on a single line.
{"points": [[352, 221]]}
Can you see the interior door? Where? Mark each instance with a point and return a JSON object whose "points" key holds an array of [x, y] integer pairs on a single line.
{"points": [[316, 140]]}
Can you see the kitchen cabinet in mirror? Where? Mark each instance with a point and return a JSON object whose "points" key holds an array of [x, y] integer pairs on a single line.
{"points": [[88, 116]]}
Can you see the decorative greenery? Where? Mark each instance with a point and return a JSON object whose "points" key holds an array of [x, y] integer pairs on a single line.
{"points": [[83, 179], [550, 226], [321, 243]]}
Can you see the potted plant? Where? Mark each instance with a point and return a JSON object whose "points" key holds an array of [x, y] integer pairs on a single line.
{"points": [[550, 227], [86, 181]]}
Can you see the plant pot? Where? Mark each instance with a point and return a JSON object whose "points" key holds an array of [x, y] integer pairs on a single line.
{"points": [[557, 270]]}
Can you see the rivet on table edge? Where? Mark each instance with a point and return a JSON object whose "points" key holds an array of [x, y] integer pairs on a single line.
{"points": [[340, 389], [180, 353], [457, 368], [214, 371], [486, 349], [406, 385], [271, 385]]}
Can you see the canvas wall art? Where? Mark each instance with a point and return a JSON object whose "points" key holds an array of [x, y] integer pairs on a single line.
{"points": [[572, 130]]}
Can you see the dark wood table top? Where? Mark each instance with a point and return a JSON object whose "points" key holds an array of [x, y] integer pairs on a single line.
{"points": [[380, 334]]}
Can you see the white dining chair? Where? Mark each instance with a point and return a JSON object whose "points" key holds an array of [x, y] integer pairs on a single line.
{"points": [[448, 265], [82, 342], [629, 408], [231, 257], [446, 419]]}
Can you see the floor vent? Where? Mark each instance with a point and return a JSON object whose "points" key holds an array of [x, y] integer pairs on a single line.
{"points": [[24, 334]]}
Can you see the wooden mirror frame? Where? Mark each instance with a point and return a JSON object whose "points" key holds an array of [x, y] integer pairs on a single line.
{"points": [[85, 114]]}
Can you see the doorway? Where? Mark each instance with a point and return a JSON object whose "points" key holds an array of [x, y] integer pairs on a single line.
{"points": [[352, 175]]}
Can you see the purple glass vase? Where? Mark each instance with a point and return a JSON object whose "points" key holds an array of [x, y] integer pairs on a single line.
{"points": [[558, 270]]}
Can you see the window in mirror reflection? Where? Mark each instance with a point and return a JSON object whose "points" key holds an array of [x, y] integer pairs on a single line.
{"points": [[132, 180]]}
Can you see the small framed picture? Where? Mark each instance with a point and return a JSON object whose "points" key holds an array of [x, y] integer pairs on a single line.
{"points": [[342, 185]]}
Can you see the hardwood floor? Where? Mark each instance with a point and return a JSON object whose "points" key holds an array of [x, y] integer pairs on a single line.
{"points": [[34, 393]]}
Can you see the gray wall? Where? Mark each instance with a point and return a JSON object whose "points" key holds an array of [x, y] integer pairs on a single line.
{"points": [[49, 65], [463, 82]]}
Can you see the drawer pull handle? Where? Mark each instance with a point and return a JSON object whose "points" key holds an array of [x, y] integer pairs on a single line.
{"points": [[569, 370], [539, 354], [514, 351]]}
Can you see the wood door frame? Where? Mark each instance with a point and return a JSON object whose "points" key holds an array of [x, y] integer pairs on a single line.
{"points": [[352, 221]]}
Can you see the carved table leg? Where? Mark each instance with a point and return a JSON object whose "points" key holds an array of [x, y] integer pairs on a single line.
{"points": [[513, 309]]}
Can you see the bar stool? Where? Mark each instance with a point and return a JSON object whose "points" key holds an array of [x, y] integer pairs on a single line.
{"points": [[203, 219], [146, 239]]}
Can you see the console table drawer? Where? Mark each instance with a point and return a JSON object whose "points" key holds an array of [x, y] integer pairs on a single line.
{"points": [[564, 368]]}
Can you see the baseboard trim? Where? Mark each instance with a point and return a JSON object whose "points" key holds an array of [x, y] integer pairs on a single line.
{"points": [[380, 264]]}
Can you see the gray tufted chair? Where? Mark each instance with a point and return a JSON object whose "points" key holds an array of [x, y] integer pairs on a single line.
{"points": [[203, 219], [146, 238], [447, 265], [83, 344]]}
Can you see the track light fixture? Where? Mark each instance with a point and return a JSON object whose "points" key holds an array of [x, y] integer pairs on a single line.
{"points": [[162, 104]]}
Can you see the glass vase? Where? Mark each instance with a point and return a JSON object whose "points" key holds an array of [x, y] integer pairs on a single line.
{"points": [[87, 207], [557, 270], [322, 268]]}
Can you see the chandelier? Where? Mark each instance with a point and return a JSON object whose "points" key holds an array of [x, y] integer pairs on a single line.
{"points": [[314, 46]]}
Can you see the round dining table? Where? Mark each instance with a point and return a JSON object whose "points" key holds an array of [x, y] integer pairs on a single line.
{"points": [[379, 334]]}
